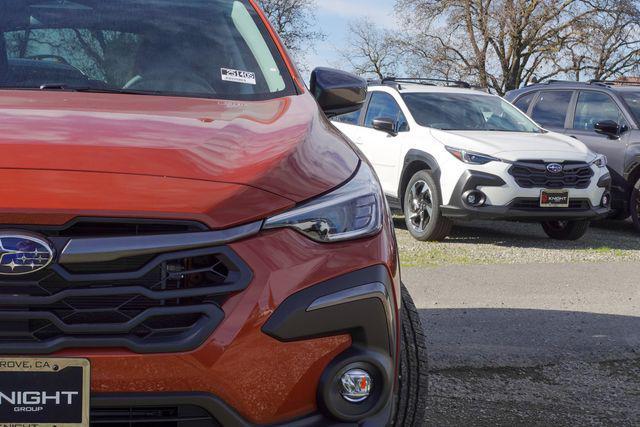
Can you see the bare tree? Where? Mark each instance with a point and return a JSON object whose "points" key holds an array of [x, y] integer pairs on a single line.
{"points": [[370, 51], [606, 44], [294, 20], [101, 54], [502, 44]]}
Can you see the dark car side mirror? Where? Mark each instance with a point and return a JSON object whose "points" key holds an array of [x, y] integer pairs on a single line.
{"points": [[385, 124], [338, 92], [608, 128]]}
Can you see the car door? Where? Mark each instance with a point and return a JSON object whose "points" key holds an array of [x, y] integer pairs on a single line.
{"points": [[593, 107], [551, 109], [384, 150]]}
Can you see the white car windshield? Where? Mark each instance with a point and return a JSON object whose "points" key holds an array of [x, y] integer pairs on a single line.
{"points": [[467, 112], [196, 48]]}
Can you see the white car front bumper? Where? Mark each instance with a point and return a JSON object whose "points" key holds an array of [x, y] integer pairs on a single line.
{"points": [[509, 195]]}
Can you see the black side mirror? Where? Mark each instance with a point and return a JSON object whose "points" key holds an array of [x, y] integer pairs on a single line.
{"points": [[338, 92], [608, 128], [385, 124]]}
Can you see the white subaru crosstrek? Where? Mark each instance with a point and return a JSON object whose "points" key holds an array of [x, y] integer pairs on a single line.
{"points": [[450, 152]]}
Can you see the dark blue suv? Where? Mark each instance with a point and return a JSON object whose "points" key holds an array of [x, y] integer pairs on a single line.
{"points": [[603, 115]]}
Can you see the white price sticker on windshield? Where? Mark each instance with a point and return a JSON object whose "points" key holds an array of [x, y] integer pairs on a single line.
{"points": [[238, 76]]}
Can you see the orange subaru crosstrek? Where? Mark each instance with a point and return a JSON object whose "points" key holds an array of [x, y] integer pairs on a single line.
{"points": [[185, 240]]}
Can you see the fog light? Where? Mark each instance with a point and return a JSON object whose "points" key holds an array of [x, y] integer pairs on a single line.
{"points": [[356, 385], [474, 198], [606, 199]]}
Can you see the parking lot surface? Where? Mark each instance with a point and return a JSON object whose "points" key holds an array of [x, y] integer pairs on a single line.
{"points": [[523, 330]]}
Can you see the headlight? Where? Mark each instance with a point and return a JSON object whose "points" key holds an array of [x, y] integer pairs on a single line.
{"points": [[471, 157], [600, 161], [352, 211]]}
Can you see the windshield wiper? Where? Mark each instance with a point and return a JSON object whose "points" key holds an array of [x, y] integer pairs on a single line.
{"points": [[56, 86], [121, 91], [92, 89], [66, 87]]}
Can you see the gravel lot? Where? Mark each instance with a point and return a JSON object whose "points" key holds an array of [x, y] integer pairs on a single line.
{"points": [[523, 330]]}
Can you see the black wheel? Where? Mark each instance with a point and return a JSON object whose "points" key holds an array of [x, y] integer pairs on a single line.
{"points": [[422, 209], [635, 205], [412, 395], [566, 230]]}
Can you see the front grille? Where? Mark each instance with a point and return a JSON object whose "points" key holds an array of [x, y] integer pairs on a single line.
{"points": [[171, 416], [164, 302], [534, 174], [533, 204]]}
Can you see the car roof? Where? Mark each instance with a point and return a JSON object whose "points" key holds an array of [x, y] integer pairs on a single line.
{"points": [[594, 85], [626, 88], [422, 88]]}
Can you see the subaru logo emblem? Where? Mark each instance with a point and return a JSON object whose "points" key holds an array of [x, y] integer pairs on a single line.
{"points": [[23, 254], [554, 167]]}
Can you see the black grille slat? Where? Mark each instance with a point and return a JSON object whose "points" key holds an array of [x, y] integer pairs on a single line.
{"points": [[121, 265], [101, 324], [178, 416], [169, 302], [534, 174]]}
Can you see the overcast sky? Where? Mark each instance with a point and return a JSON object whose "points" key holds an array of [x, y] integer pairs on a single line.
{"points": [[333, 17]]}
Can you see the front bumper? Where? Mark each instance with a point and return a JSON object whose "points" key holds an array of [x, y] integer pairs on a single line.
{"points": [[513, 212], [197, 409], [248, 374], [361, 304], [522, 204]]}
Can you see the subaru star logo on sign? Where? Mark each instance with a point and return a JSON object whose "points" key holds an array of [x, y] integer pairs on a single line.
{"points": [[23, 254], [554, 167]]}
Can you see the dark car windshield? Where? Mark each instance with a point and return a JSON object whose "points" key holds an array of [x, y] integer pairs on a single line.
{"points": [[207, 48], [467, 112], [632, 99]]}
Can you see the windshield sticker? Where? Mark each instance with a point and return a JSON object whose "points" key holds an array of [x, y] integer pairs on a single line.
{"points": [[246, 77]]}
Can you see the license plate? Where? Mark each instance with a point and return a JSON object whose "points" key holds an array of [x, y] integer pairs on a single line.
{"points": [[554, 199], [41, 392]]}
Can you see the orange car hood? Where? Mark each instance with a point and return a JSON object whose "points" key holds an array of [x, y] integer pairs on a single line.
{"points": [[132, 155]]}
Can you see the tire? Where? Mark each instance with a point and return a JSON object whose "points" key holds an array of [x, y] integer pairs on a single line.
{"points": [[566, 230], [619, 215], [634, 205], [411, 403], [432, 226]]}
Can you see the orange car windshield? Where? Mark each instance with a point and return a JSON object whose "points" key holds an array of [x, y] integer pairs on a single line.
{"points": [[198, 48]]}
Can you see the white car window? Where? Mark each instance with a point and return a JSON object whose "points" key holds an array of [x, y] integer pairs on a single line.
{"points": [[460, 111], [382, 105]]}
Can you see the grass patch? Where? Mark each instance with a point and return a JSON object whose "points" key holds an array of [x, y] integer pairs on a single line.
{"points": [[605, 250], [435, 257]]}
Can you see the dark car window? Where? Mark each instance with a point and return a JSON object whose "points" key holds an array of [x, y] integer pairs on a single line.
{"points": [[551, 108], [632, 99], [467, 112], [524, 102], [349, 118], [382, 105], [593, 107], [209, 48]]}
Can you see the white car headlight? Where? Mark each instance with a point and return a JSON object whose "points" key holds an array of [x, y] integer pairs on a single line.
{"points": [[352, 211], [471, 157], [600, 161]]}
